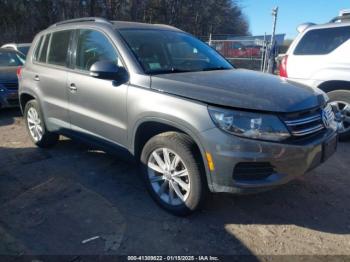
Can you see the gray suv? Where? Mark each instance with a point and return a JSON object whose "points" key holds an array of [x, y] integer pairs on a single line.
{"points": [[195, 123]]}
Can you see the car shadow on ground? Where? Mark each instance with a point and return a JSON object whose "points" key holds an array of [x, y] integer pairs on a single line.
{"points": [[51, 200], [100, 182], [7, 115]]}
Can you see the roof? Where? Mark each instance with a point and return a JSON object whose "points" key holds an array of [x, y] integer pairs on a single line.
{"points": [[328, 25], [16, 44], [9, 50], [116, 24], [137, 25]]}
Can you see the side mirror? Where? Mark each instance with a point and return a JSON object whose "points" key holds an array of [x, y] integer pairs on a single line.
{"points": [[108, 70]]}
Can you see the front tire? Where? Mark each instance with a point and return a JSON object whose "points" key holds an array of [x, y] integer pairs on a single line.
{"points": [[341, 100], [36, 127], [172, 173]]}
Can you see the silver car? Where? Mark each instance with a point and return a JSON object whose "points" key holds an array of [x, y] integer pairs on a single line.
{"points": [[194, 122]]}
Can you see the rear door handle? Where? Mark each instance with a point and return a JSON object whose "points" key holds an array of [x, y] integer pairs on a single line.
{"points": [[72, 87], [36, 78]]}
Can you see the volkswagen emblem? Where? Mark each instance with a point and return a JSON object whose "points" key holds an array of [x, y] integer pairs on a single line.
{"points": [[326, 118]]}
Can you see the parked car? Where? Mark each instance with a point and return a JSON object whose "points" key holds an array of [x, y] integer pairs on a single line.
{"points": [[320, 57], [159, 94], [22, 48], [10, 60]]}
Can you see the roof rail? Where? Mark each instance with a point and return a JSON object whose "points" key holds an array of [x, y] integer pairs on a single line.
{"points": [[301, 28], [342, 18], [83, 19]]}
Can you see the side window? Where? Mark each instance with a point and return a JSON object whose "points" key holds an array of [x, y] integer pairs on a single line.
{"points": [[93, 46], [43, 53], [322, 41], [58, 51], [37, 48]]}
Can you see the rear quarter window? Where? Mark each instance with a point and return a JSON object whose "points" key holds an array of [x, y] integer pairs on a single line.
{"points": [[322, 41], [37, 49], [43, 53], [58, 51]]}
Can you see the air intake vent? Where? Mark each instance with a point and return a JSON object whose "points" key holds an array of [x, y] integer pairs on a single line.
{"points": [[249, 171]]}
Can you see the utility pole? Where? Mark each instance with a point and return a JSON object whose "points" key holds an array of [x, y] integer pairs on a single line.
{"points": [[272, 42], [263, 54]]}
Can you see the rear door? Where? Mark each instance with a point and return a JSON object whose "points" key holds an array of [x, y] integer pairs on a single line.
{"points": [[97, 106], [49, 72]]}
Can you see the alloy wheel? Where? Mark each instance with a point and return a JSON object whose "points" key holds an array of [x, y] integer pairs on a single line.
{"points": [[169, 176], [34, 124], [342, 115]]}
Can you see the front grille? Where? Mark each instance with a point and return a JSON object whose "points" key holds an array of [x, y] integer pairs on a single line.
{"points": [[308, 122], [250, 171]]}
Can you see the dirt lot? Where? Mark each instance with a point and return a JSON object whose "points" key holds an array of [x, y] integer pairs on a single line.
{"points": [[52, 200]]}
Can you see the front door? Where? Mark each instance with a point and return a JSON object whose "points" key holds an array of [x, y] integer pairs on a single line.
{"points": [[97, 107]]}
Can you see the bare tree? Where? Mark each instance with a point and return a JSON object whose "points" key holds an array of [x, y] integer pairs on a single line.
{"points": [[20, 20]]}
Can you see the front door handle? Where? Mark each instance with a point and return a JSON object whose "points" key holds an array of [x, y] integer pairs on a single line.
{"points": [[72, 87], [36, 78]]}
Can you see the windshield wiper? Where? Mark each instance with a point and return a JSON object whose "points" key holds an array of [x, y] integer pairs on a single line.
{"points": [[178, 70], [167, 71], [216, 68]]}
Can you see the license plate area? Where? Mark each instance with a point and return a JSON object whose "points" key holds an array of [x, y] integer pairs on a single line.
{"points": [[329, 147]]}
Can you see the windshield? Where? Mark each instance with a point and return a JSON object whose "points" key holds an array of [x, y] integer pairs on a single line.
{"points": [[11, 59], [24, 49], [160, 51]]}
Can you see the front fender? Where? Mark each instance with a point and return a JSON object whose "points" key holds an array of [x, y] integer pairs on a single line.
{"points": [[189, 116]]}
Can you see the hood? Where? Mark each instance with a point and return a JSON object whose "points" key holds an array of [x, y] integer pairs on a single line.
{"points": [[8, 74], [240, 89]]}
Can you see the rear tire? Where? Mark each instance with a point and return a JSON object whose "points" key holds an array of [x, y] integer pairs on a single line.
{"points": [[172, 173], [36, 127], [341, 98]]}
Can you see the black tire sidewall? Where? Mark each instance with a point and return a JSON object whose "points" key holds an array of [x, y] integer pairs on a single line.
{"points": [[180, 145]]}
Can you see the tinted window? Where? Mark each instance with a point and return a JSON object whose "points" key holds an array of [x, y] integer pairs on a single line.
{"points": [[24, 49], [160, 51], [11, 58], [322, 41], [93, 46], [43, 53], [58, 50], [37, 50]]}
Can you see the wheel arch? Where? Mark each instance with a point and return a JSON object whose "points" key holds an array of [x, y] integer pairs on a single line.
{"points": [[24, 98], [151, 127], [28, 95], [333, 85]]}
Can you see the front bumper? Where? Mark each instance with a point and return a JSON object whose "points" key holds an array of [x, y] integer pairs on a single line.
{"points": [[288, 160], [8, 98]]}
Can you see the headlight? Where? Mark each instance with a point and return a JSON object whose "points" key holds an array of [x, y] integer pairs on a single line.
{"points": [[250, 125]]}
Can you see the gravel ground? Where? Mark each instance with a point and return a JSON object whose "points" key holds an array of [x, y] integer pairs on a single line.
{"points": [[52, 200]]}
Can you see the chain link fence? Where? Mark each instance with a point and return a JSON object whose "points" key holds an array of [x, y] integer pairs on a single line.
{"points": [[243, 54], [250, 52]]}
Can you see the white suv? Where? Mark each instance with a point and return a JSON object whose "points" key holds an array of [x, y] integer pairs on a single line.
{"points": [[320, 57]]}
